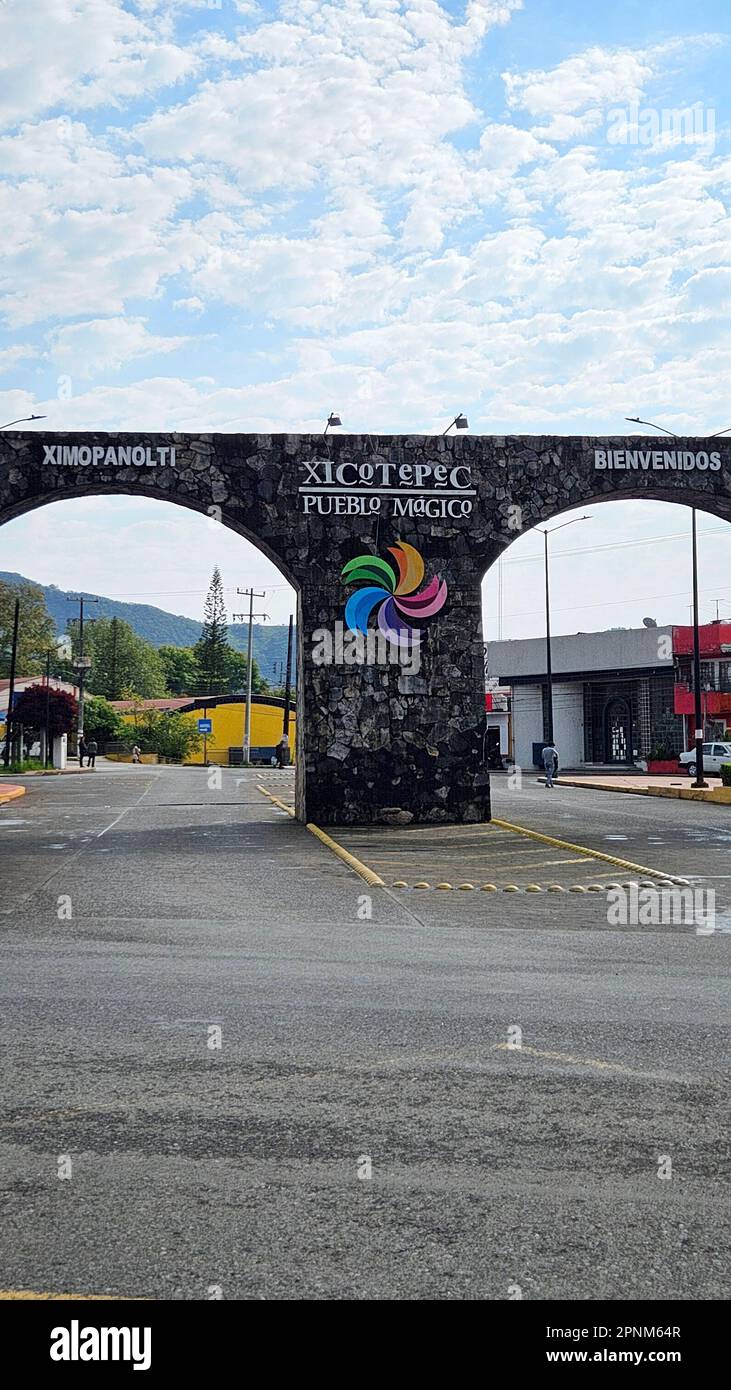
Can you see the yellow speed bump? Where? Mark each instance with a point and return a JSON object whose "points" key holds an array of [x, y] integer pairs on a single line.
{"points": [[579, 849], [422, 884], [444, 885], [399, 883], [283, 806], [489, 888], [466, 887], [577, 888], [511, 888], [534, 888], [362, 870]]}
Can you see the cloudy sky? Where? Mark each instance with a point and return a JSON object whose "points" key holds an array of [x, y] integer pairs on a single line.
{"points": [[238, 216]]}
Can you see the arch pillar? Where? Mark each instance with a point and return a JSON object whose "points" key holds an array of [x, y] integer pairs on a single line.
{"points": [[383, 742]]}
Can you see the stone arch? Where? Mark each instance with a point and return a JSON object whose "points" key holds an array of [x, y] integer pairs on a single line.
{"points": [[375, 742]]}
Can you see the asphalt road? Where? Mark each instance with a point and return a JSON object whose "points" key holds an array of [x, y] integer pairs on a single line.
{"points": [[347, 1037]]}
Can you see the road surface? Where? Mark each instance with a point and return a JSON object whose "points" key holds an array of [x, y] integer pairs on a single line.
{"points": [[362, 1031]]}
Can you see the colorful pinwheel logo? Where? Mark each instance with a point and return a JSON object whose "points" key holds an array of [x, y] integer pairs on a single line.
{"points": [[393, 594]]}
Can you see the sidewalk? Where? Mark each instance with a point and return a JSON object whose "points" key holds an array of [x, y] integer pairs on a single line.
{"points": [[641, 784], [51, 771], [8, 792]]}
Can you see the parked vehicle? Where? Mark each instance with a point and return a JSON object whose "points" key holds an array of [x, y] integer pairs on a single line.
{"points": [[714, 754]]}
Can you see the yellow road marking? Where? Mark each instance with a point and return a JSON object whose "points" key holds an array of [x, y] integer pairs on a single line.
{"points": [[369, 875], [283, 806], [6, 1294], [582, 849], [359, 868]]}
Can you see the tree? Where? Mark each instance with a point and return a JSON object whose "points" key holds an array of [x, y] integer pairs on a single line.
{"points": [[212, 648], [236, 667], [101, 722], [36, 630], [119, 658], [180, 669], [169, 735], [29, 710], [177, 737]]}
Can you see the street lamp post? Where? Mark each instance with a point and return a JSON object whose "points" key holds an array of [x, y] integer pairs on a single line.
{"points": [[549, 668], [25, 420], [697, 694]]}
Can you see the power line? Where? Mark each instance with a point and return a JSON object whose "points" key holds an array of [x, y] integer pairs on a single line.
{"points": [[610, 545], [614, 603]]}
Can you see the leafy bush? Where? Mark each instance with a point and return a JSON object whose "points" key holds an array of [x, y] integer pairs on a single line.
{"points": [[173, 736], [726, 774], [663, 753], [101, 722]]}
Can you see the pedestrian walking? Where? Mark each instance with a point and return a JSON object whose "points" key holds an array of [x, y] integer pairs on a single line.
{"points": [[91, 752], [282, 751], [135, 754], [550, 762], [82, 750]]}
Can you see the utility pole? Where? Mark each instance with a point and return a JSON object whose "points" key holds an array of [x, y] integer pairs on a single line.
{"points": [[288, 680], [11, 687], [241, 617], [82, 663], [697, 693], [549, 672], [48, 708]]}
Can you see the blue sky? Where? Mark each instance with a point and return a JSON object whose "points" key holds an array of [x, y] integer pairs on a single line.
{"points": [[239, 217]]}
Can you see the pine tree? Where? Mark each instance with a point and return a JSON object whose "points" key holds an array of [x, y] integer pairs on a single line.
{"points": [[212, 650]]}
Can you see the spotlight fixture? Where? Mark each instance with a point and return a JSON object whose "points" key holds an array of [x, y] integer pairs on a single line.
{"points": [[460, 422], [333, 421]]}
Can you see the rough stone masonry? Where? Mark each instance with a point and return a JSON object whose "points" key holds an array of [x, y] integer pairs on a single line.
{"points": [[376, 743]]}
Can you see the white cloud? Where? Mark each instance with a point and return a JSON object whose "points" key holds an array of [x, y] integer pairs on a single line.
{"points": [[594, 79], [19, 352], [99, 344], [81, 53], [192, 305]]}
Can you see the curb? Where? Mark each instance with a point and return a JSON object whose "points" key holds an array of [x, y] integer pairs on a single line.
{"points": [[370, 876], [281, 804], [719, 796], [8, 792], [55, 772]]}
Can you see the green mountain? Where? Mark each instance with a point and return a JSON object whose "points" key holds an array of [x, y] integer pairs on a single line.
{"points": [[164, 629]]}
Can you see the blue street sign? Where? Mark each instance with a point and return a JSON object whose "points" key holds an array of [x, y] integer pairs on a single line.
{"points": [[205, 726]]}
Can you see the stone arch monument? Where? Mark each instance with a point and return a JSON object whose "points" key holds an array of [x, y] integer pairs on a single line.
{"points": [[378, 739]]}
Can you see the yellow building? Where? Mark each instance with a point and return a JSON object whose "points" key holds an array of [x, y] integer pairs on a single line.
{"points": [[227, 718], [226, 713]]}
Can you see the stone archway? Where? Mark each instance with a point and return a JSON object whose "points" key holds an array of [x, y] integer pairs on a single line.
{"points": [[376, 740]]}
